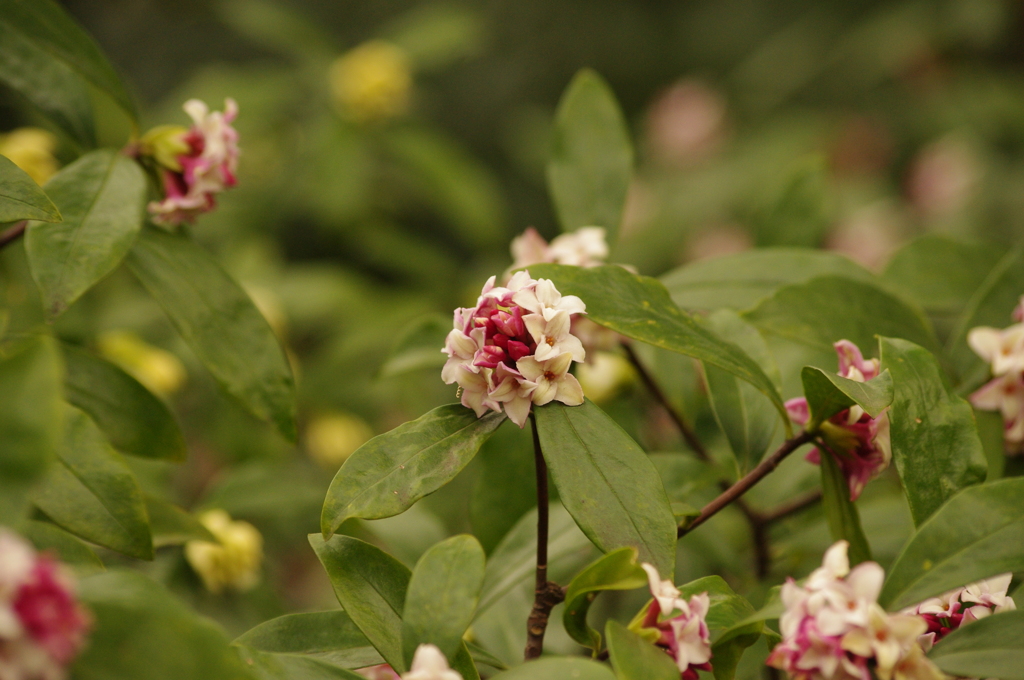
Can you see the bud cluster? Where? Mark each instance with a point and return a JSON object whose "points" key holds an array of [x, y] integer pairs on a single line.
{"points": [[949, 611], [42, 626], [233, 562], [1004, 351], [679, 625], [858, 443], [514, 348]]}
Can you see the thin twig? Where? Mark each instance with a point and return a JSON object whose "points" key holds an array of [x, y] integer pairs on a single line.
{"points": [[13, 233], [753, 477], [546, 593]]}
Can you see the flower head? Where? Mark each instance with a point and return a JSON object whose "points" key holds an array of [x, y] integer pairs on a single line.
{"points": [[371, 82], [679, 624], [428, 663], [585, 247], [194, 164], [234, 561], [514, 349], [947, 612], [1004, 351]]}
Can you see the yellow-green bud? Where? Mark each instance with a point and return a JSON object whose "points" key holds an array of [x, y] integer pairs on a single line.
{"points": [[158, 370], [164, 144], [371, 82], [331, 439], [31, 149], [231, 563]]}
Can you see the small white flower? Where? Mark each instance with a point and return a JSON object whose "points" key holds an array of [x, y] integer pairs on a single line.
{"points": [[552, 379], [544, 299], [664, 591], [429, 664], [1003, 349], [553, 336]]}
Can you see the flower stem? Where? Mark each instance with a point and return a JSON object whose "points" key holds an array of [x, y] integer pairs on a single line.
{"points": [[546, 593], [13, 233]]}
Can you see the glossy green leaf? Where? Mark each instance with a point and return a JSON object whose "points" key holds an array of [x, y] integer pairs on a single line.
{"points": [[418, 346], [393, 470], [639, 307], [141, 632], [67, 548], [976, 534], [50, 30], [219, 322], [514, 560], [635, 658], [992, 647], [276, 666], [558, 668], [331, 637], [840, 512], [31, 413], [171, 525], [102, 196], [442, 596], [371, 586], [826, 309], [591, 162], [935, 442], [828, 394], [742, 280], [607, 483], [21, 198], [93, 494], [481, 656], [135, 421], [618, 570], [744, 414]]}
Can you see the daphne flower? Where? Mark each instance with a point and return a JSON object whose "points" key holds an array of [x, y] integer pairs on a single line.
{"points": [[887, 638], [585, 247], [1003, 349], [552, 379], [682, 630], [544, 299], [960, 606], [664, 591], [553, 336], [428, 663]]}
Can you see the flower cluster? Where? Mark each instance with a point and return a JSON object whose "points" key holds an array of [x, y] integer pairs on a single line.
{"points": [[949, 611], [585, 247], [679, 625], [42, 626], [1004, 351], [193, 164], [234, 561], [515, 347], [428, 663], [858, 443], [834, 629]]}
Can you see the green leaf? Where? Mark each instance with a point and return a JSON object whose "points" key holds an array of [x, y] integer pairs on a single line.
{"points": [[935, 441], [745, 416], [273, 666], [135, 421], [70, 550], [371, 586], [418, 346], [591, 162], [742, 280], [31, 412], [21, 198], [331, 637], [840, 512], [639, 307], [618, 570], [607, 483], [558, 668], [481, 656], [389, 473], [992, 647], [496, 505], [442, 596], [799, 215], [828, 394], [142, 632], [102, 196], [826, 309], [976, 534], [171, 525], [93, 494], [219, 322], [635, 658], [50, 30]]}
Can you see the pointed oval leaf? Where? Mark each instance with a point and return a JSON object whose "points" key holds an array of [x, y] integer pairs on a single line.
{"points": [[976, 534], [93, 494], [558, 668], [331, 637], [607, 483], [389, 473], [69, 550], [275, 666], [639, 307], [992, 647], [219, 322], [52, 31], [635, 658], [21, 198], [828, 394], [927, 416], [442, 597], [618, 570], [591, 162], [135, 421], [101, 196], [840, 512]]}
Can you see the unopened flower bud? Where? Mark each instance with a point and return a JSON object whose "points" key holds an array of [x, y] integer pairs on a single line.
{"points": [[372, 82], [158, 370], [233, 562], [31, 149], [331, 439]]}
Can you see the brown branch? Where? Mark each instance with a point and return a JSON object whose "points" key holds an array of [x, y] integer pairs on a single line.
{"points": [[546, 593], [734, 492], [13, 233]]}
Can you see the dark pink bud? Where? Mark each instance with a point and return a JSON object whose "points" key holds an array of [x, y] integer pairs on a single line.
{"points": [[489, 356], [48, 611], [518, 350], [500, 340], [509, 324]]}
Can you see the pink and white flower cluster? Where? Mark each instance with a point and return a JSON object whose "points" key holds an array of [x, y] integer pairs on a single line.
{"points": [[428, 663], [515, 347], [834, 629], [949, 611], [682, 630], [42, 626], [857, 442], [205, 167], [585, 247], [1004, 351]]}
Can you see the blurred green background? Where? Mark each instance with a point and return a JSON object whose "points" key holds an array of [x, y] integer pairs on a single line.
{"points": [[377, 193]]}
